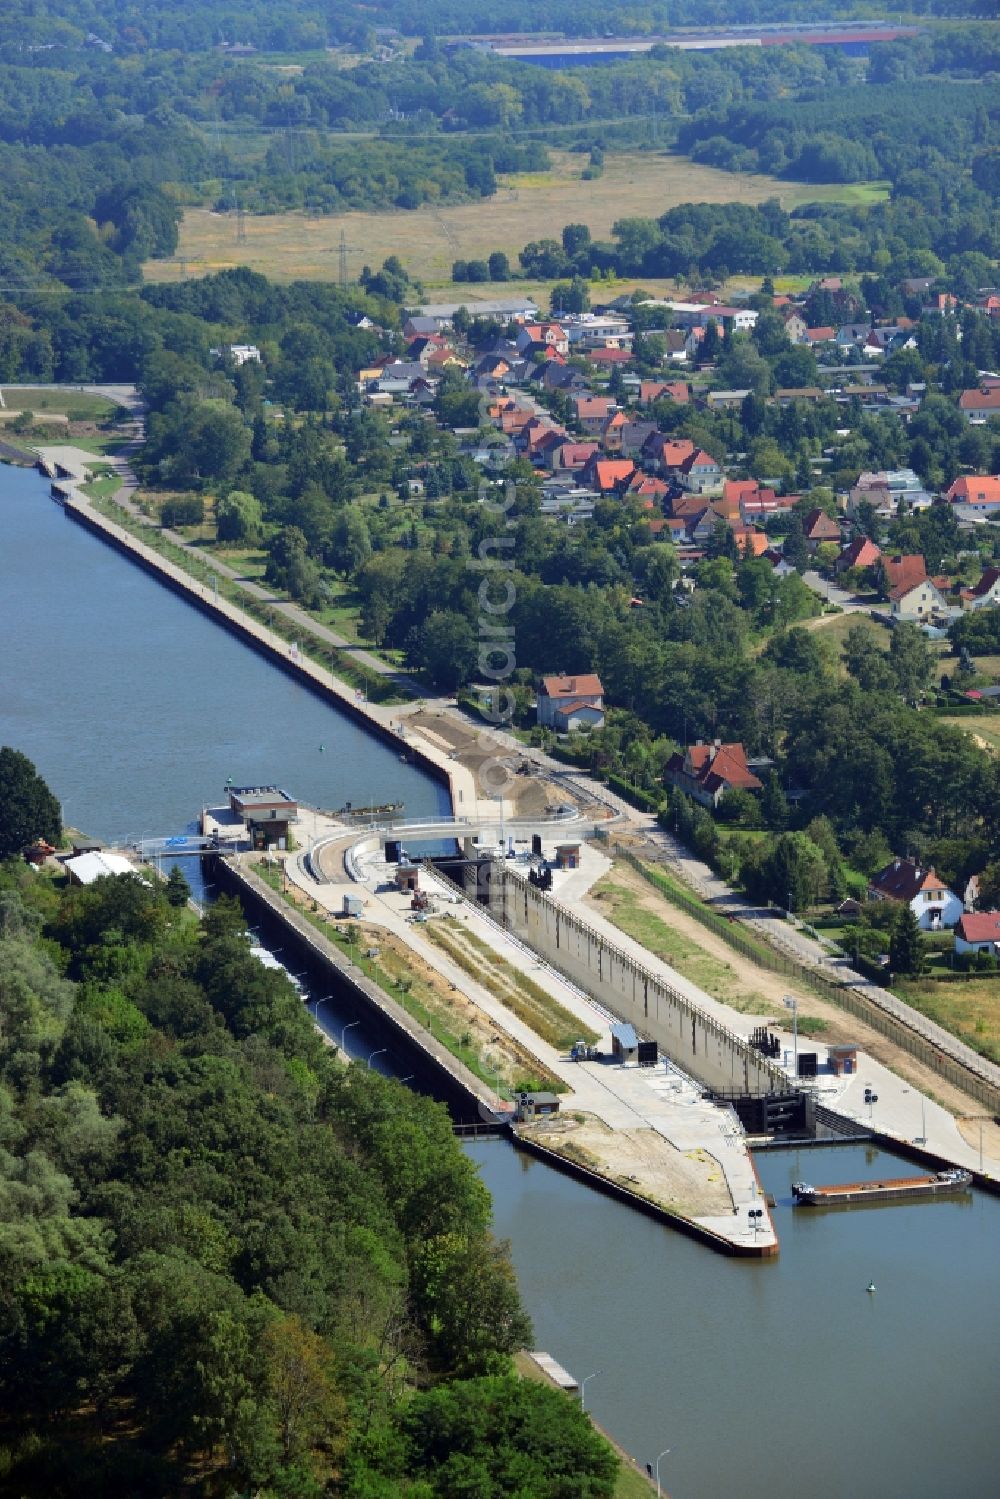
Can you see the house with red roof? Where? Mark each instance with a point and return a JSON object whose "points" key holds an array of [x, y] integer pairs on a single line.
{"points": [[707, 771], [667, 453], [912, 594], [664, 390], [981, 492], [978, 931], [549, 335], [861, 553], [820, 335], [593, 411], [979, 405], [648, 487], [908, 883], [818, 527], [608, 475], [608, 358], [700, 473], [573, 455], [566, 702]]}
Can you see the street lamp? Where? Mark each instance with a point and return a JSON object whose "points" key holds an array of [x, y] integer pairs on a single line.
{"points": [[870, 1099], [662, 1454], [791, 1003], [583, 1388], [350, 1026], [380, 1053]]}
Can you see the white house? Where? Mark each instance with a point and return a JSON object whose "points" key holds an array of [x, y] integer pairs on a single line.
{"points": [[979, 932], [567, 702], [917, 886]]}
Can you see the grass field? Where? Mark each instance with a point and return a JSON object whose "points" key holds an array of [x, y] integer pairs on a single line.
{"points": [[526, 207], [77, 405], [833, 629], [969, 1010], [985, 730]]}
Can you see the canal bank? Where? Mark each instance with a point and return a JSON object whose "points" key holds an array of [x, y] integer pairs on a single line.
{"points": [[761, 1380]]}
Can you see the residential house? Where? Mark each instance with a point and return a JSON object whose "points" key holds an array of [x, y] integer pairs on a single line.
{"points": [[667, 453], [979, 405], [912, 594], [978, 932], [647, 487], [546, 335], [664, 390], [796, 326], [979, 492], [822, 335], [818, 527], [788, 396], [707, 771], [908, 883], [634, 436], [573, 455], [606, 359], [700, 474], [861, 553], [592, 330], [852, 335], [779, 562], [555, 376], [608, 475], [593, 411], [565, 702], [725, 400], [612, 430], [986, 593]]}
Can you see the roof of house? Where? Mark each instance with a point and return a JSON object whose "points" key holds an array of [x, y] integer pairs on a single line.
{"points": [[577, 705], [609, 356], [904, 879], [698, 459], [671, 451], [608, 473], [715, 766], [979, 400], [576, 454], [861, 553], [981, 926], [648, 484], [569, 689], [593, 406], [820, 335], [818, 526], [903, 574], [973, 489]]}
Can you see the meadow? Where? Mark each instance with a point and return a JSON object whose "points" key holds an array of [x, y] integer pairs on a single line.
{"points": [[528, 206]]}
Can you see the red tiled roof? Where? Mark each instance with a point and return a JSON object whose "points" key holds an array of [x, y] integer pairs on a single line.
{"points": [[983, 926], [860, 553], [818, 526], [698, 459], [571, 689], [714, 766], [608, 473], [975, 489], [609, 356], [979, 400], [903, 574], [820, 335]]}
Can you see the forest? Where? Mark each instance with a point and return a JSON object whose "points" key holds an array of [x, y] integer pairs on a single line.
{"points": [[227, 1261]]}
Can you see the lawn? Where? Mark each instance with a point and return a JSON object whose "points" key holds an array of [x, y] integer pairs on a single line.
{"points": [[985, 730], [78, 405], [834, 629], [970, 1010], [428, 239]]}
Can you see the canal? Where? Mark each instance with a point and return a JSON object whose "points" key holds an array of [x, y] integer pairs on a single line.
{"points": [[764, 1380]]}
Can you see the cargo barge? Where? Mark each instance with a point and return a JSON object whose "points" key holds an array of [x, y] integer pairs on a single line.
{"points": [[893, 1189]]}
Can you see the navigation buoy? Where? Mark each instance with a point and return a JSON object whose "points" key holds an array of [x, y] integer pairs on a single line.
{"points": [[871, 1286], [322, 748]]}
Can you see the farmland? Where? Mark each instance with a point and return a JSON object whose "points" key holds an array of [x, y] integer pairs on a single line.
{"points": [[529, 206]]}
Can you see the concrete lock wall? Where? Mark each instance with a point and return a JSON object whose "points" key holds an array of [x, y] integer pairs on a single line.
{"points": [[692, 1038]]}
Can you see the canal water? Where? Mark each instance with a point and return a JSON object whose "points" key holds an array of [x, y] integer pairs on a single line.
{"points": [[765, 1379]]}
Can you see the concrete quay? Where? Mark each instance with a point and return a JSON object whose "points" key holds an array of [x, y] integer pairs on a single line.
{"points": [[647, 1135]]}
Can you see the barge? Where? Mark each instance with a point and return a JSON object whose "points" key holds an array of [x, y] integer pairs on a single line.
{"points": [[893, 1189]]}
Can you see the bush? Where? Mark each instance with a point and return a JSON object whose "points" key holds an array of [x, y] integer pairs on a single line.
{"points": [[187, 510]]}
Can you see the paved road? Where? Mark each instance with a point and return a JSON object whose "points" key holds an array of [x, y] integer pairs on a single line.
{"points": [[833, 594]]}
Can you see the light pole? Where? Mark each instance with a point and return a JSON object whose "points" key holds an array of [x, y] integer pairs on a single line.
{"points": [[583, 1388], [871, 1099], [380, 1053], [791, 1003], [755, 1215], [350, 1026], [317, 1003], [662, 1454]]}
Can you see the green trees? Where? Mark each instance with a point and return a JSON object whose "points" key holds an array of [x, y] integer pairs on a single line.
{"points": [[905, 947], [28, 809], [238, 517]]}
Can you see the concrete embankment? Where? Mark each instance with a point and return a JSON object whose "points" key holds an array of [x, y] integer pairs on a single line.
{"points": [[258, 636], [466, 1095]]}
